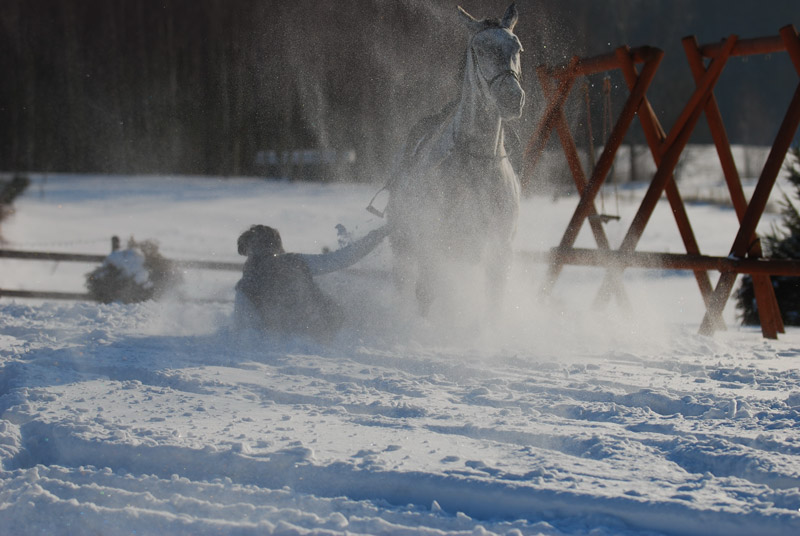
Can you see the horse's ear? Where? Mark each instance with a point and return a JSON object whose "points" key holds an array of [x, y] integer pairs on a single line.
{"points": [[472, 23], [511, 17]]}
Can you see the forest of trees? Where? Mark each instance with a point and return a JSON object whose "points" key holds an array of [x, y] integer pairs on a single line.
{"points": [[201, 86]]}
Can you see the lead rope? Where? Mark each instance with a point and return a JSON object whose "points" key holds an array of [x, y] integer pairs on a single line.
{"points": [[590, 141], [371, 208], [606, 133], [602, 216]]}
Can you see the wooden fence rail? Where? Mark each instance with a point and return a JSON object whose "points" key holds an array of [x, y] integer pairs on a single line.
{"points": [[663, 261], [90, 258], [567, 256], [94, 259]]}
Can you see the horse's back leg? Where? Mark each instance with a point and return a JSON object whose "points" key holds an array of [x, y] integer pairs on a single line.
{"points": [[429, 283], [498, 268], [404, 274]]}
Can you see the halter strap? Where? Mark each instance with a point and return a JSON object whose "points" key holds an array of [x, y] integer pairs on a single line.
{"points": [[503, 74], [507, 72]]}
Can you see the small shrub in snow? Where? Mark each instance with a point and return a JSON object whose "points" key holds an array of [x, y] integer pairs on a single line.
{"points": [[9, 191], [779, 244], [135, 274]]}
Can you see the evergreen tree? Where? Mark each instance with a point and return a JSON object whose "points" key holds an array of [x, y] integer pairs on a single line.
{"points": [[781, 243]]}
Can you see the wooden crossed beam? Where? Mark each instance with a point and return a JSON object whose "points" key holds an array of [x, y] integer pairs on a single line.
{"points": [[554, 118], [746, 243], [666, 149]]}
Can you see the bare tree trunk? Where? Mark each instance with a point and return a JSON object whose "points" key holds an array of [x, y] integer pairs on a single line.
{"points": [[634, 169], [75, 157]]}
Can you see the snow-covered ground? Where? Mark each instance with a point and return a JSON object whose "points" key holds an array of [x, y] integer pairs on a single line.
{"points": [[157, 418]]}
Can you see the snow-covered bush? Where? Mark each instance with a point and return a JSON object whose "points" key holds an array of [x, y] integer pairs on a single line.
{"points": [[779, 244], [135, 274], [9, 191]]}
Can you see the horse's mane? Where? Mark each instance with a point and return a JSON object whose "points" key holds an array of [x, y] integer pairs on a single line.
{"points": [[492, 22], [423, 128]]}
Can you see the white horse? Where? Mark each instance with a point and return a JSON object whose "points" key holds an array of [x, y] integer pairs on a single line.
{"points": [[455, 196]]}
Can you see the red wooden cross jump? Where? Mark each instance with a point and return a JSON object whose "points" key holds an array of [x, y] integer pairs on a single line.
{"points": [[666, 148]]}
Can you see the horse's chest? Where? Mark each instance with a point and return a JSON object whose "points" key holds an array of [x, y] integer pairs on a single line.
{"points": [[457, 208], [479, 195]]}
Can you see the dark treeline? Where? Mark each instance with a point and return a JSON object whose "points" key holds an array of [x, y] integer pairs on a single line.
{"points": [[200, 86]]}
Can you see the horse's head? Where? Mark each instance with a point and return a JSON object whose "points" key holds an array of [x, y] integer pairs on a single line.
{"points": [[495, 51]]}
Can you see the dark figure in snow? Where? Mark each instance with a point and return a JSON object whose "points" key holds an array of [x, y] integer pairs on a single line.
{"points": [[277, 292]]}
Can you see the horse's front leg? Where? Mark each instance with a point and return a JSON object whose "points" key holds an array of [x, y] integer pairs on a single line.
{"points": [[497, 271]]}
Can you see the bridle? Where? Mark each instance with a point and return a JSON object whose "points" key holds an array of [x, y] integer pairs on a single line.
{"points": [[502, 74]]}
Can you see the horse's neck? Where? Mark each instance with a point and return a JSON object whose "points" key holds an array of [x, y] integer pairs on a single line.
{"points": [[477, 126]]}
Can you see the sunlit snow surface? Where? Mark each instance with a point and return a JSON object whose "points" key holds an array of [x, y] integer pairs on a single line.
{"points": [[159, 418]]}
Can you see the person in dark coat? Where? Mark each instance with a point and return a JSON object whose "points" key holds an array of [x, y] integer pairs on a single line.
{"points": [[277, 292]]}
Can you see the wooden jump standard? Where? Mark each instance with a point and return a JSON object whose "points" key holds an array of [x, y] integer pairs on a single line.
{"points": [[666, 149]]}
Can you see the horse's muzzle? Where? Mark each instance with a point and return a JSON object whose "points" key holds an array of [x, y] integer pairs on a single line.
{"points": [[508, 94]]}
